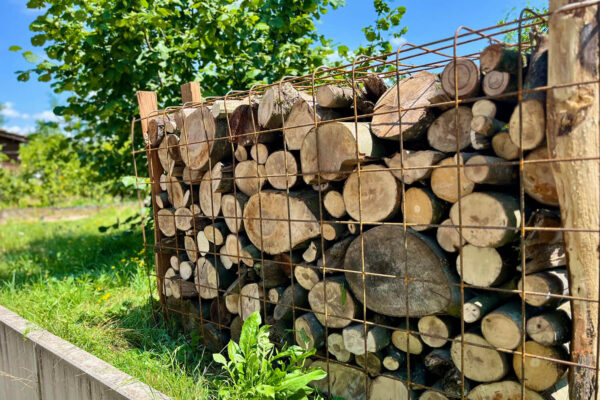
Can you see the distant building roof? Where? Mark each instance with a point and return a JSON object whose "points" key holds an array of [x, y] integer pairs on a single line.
{"points": [[12, 136]]}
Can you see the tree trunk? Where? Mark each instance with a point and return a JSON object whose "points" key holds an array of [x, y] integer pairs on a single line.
{"points": [[332, 295], [444, 134], [274, 235], [540, 374], [330, 151], [444, 179], [384, 253], [412, 166], [481, 362], [380, 194], [480, 211], [466, 79], [278, 165], [416, 94], [422, 208]]}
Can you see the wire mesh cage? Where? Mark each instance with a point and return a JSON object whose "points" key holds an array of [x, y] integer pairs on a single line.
{"points": [[400, 215]]}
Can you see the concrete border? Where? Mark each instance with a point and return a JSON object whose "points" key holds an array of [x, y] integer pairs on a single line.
{"points": [[37, 365]]}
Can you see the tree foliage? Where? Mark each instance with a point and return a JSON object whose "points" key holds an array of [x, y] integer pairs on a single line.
{"points": [[101, 51]]}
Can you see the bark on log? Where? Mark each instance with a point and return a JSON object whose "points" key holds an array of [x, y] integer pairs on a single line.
{"points": [[436, 330], [438, 362], [331, 150], [272, 273], [444, 179], [232, 207], [422, 208], [483, 266], [384, 253], [333, 201], [476, 307], [445, 135], [412, 166], [503, 327], [293, 296], [503, 390], [377, 339], [545, 284], [480, 211], [332, 295], [538, 177], [375, 87], [481, 362], [497, 57], [278, 165], [245, 128], [273, 235], [310, 334], [551, 328], [466, 79], [333, 96], [276, 104], [250, 177], [540, 374], [379, 194], [489, 170], [416, 94]]}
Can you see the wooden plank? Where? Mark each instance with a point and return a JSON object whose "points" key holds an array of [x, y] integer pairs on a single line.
{"points": [[191, 92]]}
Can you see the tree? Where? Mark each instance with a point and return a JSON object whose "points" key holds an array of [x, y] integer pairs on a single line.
{"points": [[102, 51]]}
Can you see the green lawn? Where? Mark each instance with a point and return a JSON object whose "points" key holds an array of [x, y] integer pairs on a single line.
{"points": [[91, 289]]}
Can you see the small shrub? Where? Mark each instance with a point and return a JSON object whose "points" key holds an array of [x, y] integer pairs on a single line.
{"points": [[257, 370]]}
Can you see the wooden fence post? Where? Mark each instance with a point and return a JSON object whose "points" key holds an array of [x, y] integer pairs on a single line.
{"points": [[572, 132]]}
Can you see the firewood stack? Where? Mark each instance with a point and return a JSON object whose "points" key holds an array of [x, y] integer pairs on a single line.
{"points": [[264, 212]]}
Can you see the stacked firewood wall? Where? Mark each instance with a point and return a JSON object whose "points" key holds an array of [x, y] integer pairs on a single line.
{"points": [[376, 219]]}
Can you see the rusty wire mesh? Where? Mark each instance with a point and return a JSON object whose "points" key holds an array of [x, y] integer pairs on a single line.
{"points": [[409, 59]]}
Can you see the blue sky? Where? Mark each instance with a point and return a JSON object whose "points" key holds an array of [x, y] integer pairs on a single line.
{"points": [[427, 20]]}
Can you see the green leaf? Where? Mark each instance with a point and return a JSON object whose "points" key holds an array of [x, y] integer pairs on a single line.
{"points": [[343, 287], [15, 48], [249, 332], [30, 57], [304, 337], [218, 357]]}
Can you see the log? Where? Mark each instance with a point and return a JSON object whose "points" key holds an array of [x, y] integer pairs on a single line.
{"points": [[436, 330], [191, 176], [163, 182], [232, 302], [158, 128], [484, 107], [411, 166], [251, 300], [281, 170], [330, 151], [219, 312], [209, 278], [186, 270], [480, 211], [240, 153], [380, 194], [342, 381], [276, 104], [388, 387], [489, 170], [452, 383], [496, 84], [201, 141], [476, 307], [274, 294], [250, 177], [234, 245], [384, 253], [483, 266], [245, 129], [183, 289], [422, 208], [169, 153], [370, 362], [224, 108], [333, 96], [394, 358], [273, 235], [302, 119], [503, 390], [417, 92], [466, 79], [540, 374], [407, 338], [214, 339], [216, 233], [166, 221], [310, 334], [184, 219], [528, 132], [178, 195], [438, 362], [224, 258], [204, 245], [543, 257], [436, 393], [306, 276], [375, 87], [236, 328], [332, 295], [259, 153], [538, 178], [445, 135], [481, 362], [312, 252], [546, 284], [333, 231], [503, 327], [293, 296], [162, 200], [497, 57], [335, 345], [573, 126], [333, 201], [377, 338], [272, 274], [504, 147], [486, 126], [448, 237], [550, 328], [444, 179], [232, 206]]}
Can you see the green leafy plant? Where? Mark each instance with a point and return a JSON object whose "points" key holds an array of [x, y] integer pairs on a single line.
{"points": [[257, 370]]}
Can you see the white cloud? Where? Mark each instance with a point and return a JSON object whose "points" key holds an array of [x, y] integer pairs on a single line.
{"points": [[9, 111], [397, 42], [20, 130]]}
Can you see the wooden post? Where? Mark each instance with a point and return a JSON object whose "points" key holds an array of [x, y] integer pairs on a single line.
{"points": [[147, 102], [572, 132], [190, 92]]}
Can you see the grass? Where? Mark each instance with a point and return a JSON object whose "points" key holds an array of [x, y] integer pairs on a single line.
{"points": [[91, 289]]}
